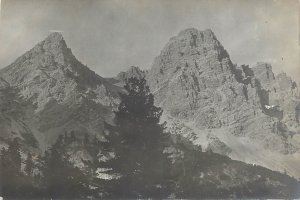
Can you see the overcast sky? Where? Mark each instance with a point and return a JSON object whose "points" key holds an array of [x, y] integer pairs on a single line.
{"points": [[111, 35]]}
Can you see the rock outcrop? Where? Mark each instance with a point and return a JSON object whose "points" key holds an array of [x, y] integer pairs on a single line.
{"points": [[247, 113], [64, 94], [132, 72]]}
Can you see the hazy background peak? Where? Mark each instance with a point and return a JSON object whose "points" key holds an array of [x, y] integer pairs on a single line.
{"points": [[111, 35]]}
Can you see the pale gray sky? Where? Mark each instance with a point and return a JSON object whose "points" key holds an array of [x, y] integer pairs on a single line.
{"points": [[111, 35]]}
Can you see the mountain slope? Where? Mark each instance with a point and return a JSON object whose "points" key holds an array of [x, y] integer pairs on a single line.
{"points": [[236, 111], [210, 175], [226, 108], [66, 95]]}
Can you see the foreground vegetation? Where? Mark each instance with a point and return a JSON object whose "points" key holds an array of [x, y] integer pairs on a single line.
{"points": [[137, 159]]}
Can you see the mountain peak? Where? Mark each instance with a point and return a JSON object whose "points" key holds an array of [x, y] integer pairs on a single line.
{"points": [[50, 64], [194, 42], [196, 31], [133, 71], [54, 83], [54, 40], [55, 36], [194, 81], [195, 34], [55, 45], [191, 50]]}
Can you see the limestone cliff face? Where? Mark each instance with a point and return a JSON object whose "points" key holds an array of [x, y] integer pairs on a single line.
{"points": [[192, 70], [64, 94], [283, 93], [132, 72], [246, 113]]}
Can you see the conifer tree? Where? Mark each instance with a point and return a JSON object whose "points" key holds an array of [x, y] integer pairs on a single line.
{"points": [[11, 169], [138, 141], [29, 165], [61, 178]]}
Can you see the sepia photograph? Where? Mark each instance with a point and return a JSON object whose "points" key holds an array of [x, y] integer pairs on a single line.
{"points": [[149, 99]]}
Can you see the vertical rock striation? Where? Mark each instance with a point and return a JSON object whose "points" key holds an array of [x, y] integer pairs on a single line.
{"points": [[65, 94], [251, 114]]}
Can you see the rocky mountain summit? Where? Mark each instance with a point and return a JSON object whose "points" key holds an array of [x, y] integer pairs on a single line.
{"points": [[246, 113], [63, 94], [132, 72]]}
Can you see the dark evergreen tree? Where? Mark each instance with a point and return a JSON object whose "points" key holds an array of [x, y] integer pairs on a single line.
{"points": [[11, 168], [86, 140], [60, 177], [16, 184], [138, 141], [13, 153], [29, 165]]}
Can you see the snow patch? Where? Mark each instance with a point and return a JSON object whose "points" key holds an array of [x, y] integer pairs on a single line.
{"points": [[102, 173], [269, 107]]}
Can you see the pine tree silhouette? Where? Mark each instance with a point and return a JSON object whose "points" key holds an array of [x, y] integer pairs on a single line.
{"points": [[16, 184], [29, 165], [60, 177], [138, 141], [11, 168]]}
